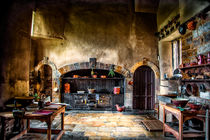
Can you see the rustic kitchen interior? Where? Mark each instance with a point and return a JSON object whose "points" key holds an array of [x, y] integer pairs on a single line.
{"points": [[105, 69]]}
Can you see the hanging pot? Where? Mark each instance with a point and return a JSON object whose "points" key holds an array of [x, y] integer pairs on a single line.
{"points": [[192, 89], [191, 25], [182, 29]]}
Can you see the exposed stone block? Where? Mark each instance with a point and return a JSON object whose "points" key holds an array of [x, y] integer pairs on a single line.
{"points": [[118, 69], [61, 70], [76, 66], [98, 65], [196, 42], [72, 67], [206, 37], [203, 49], [101, 65], [189, 40]]}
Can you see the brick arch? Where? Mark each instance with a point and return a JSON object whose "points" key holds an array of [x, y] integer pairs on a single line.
{"points": [[99, 65], [86, 65], [55, 77], [147, 63]]}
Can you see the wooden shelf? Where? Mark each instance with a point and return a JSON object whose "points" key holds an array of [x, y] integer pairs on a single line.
{"points": [[196, 80], [86, 93], [70, 78], [196, 66], [90, 93]]}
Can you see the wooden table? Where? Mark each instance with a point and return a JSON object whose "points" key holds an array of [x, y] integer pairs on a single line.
{"points": [[182, 116], [46, 118], [7, 121]]}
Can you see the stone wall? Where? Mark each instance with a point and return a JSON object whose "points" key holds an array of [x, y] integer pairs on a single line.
{"points": [[113, 34], [71, 32], [197, 41]]}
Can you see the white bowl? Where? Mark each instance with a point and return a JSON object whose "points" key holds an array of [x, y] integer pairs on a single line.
{"points": [[81, 91]]}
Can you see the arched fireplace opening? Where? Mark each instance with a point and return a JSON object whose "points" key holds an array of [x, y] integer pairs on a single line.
{"points": [[94, 89]]}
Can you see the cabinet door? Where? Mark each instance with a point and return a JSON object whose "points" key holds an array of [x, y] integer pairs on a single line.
{"points": [[80, 101], [104, 101], [66, 98], [117, 99]]}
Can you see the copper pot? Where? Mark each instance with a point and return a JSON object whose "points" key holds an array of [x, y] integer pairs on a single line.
{"points": [[94, 76], [194, 106], [180, 102], [75, 76], [192, 89]]}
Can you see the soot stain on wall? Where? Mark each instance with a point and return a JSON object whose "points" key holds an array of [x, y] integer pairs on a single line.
{"points": [[110, 32]]}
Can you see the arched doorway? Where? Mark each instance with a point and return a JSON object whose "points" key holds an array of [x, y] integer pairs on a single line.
{"points": [[144, 88], [45, 74]]}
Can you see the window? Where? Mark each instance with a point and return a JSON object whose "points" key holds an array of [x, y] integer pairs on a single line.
{"points": [[176, 53]]}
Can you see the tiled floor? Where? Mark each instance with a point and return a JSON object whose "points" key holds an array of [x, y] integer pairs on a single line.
{"points": [[103, 125]]}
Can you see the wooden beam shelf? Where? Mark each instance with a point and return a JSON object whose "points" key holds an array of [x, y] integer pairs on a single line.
{"points": [[70, 78], [195, 66], [196, 80]]}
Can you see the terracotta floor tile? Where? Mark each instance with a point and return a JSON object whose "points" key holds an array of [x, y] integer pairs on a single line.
{"points": [[122, 129], [110, 124], [69, 127], [90, 133], [104, 126], [92, 129], [106, 129], [103, 134]]}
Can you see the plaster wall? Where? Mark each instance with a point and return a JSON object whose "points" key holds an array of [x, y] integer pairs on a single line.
{"points": [[165, 65], [189, 8], [167, 10], [113, 34]]}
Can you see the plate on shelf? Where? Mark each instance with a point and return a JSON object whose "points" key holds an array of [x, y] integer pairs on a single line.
{"points": [[81, 92]]}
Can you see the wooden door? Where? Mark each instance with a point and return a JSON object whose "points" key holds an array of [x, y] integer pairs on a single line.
{"points": [[144, 88]]}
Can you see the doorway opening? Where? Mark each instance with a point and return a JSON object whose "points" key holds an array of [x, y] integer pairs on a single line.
{"points": [[144, 88], [45, 74]]}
